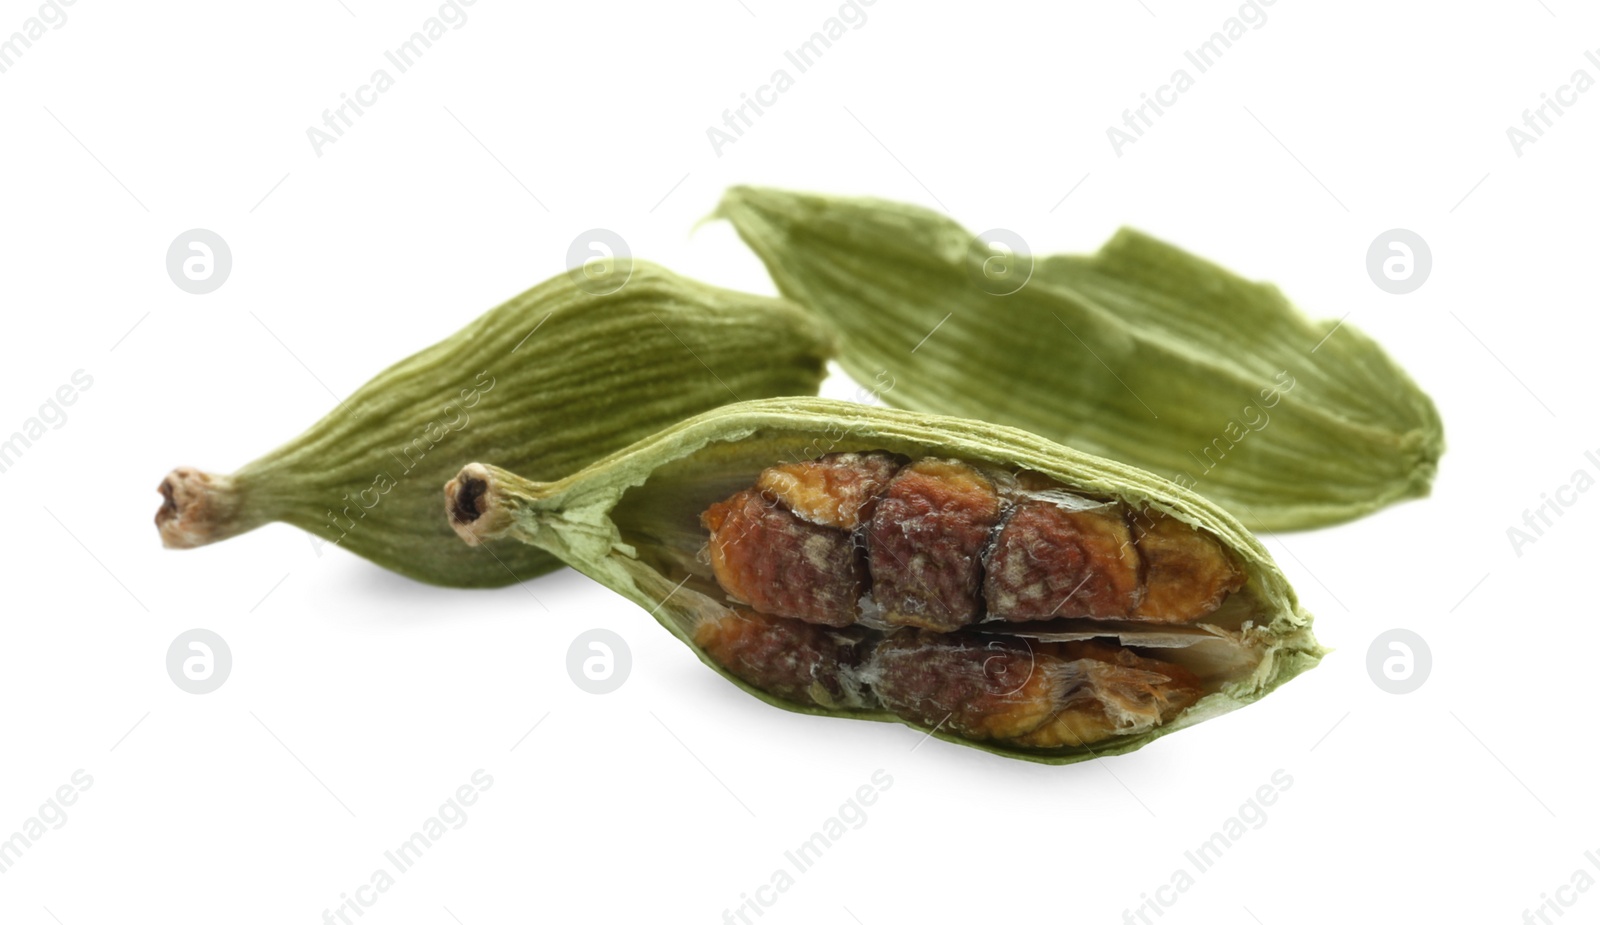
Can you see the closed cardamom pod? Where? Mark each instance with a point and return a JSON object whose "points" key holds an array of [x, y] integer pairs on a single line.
{"points": [[545, 383], [1141, 352], [976, 581]]}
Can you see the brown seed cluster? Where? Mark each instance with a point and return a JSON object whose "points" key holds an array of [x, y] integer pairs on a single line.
{"points": [[939, 545], [1036, 695], [860, 580]]}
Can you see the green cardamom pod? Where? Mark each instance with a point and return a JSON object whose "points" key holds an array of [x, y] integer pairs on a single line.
{"points": [[972, 580], [1141, 352], [546, 383]]}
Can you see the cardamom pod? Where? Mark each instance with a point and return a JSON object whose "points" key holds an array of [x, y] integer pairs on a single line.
{"points": [[551, 380], [1141, 352], [972, 580]]}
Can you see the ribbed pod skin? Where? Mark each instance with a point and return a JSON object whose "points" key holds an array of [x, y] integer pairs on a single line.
{"points": [[1141, 353], [561, 378]]}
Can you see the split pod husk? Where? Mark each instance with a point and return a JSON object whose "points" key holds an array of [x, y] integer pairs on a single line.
{"points": [[984, 584]]}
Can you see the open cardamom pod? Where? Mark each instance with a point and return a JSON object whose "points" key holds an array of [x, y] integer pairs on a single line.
{"points": [[1141, 352], [545, 383], [973, 580]]}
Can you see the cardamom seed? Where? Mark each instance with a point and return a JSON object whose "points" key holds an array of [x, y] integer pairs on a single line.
{"points": [[545, 383], [1141, 352], [972, 580]]}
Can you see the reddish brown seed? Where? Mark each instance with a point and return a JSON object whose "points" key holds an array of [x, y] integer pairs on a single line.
{"points": [[1043, 695], [1187, 572], [1179, 681], [1108, 690], [787, 658], [925, 543], [837, 490], [765, 556], [1058, 555], [979, 689]]}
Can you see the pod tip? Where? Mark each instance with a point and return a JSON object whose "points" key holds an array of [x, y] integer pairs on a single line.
{"points": [[471, 502], [197, 508]]}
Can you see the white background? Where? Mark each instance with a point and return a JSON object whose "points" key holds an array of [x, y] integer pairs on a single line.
{"points": [[359, 701]]}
